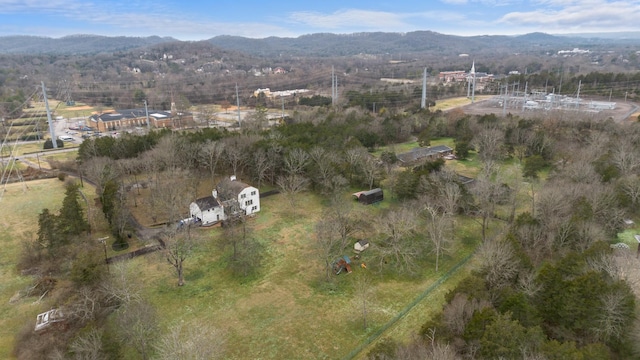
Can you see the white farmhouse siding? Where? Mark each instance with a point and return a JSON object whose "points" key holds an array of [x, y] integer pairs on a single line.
{"points": [[249, 200], [233, 193], [207, 210]]}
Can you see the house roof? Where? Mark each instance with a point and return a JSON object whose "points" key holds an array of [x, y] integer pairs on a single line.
{"points": [[206, 203], [229, 189], [130, 114], [422, 152]]}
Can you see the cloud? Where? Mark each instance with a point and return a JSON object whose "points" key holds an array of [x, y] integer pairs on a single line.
{"points": [[348, 19], [594, 15]]}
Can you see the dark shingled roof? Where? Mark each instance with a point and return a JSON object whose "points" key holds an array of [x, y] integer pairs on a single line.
{"points": [[229, 189], [421, 153], [206, 203], [130, 114]]}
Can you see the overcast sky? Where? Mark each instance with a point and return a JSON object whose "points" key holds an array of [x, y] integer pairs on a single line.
{"points": [[200, 20]]}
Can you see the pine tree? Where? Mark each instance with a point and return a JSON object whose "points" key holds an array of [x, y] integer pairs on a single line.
{"points": [[71, 220]]}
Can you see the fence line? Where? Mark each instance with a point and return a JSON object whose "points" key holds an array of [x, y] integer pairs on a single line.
{"points": [[408, 308]]}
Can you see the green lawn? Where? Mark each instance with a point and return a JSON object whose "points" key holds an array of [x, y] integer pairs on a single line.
{"points": [[20, 206], [288, 310]]}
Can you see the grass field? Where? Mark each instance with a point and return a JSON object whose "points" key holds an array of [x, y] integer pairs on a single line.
{"points": [[289, 310], [20, 205], [446, 104], [19, 211]]}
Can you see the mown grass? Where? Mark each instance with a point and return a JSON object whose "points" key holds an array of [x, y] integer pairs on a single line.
{"points": [[287, 310]]}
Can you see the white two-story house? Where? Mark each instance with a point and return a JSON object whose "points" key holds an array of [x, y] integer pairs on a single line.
{"points": [[230, 197]]}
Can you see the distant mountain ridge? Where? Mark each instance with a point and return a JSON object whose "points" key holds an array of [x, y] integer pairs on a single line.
{"points": [[74, 44], [324, 44], [327, 44]]}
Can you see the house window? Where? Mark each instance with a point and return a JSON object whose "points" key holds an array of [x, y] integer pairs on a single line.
{"points": [[254, 208], [242, 196], [249, 202], [253, 193]]}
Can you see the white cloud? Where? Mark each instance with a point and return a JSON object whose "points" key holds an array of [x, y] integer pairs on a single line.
{"points": [[567, 15], [348, 19]]}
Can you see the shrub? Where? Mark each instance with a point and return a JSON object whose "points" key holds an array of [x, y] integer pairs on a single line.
{"points": [[48, 144], [62, 176]]}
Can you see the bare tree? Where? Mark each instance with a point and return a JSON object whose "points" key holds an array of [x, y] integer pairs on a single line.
{"points": [[614, 315], [397, 230], [458, 313], [498, 263], [436, 228], [339, 222], [295, 161], [193, 341], [210, 155], [625, 156], [122, 286], [371, 170], [178, 247], [291, 185], [236, 150], [260, 165], [100, 170], [138, 326], [489, 144], [88, 346], [485, 193], [323, 167], [630, 185]]}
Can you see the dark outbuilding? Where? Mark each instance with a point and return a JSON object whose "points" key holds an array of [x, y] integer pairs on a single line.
{"points": [[369, 197]]}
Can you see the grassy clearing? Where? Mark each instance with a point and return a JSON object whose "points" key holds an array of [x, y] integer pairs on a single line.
{"points": [[288, 310], [446, 104], [19, 223]]}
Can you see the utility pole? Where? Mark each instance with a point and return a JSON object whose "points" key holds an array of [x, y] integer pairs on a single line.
{"points": [[524, 102], [52, 130], [334, 86], [238, 106], [282, 97], [423, 104], [473, 91], [504, 101], [146, 111]]}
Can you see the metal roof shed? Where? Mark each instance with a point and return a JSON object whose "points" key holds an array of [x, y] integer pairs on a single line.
{"points": [[370, 196]]}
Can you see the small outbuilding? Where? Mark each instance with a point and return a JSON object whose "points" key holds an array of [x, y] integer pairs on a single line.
{"points": [[360, 246], [370, 196]]}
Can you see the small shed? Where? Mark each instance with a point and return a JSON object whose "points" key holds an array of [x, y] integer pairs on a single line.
{"points": [[360, 246], [370, 196]]}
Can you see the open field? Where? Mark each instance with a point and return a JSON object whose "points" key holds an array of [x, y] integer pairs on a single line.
{"points": [[288, 310], [20, 206]]}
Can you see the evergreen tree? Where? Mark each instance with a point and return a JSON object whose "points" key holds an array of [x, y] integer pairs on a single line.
{"points": [[48, 236], [71, 220]]}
